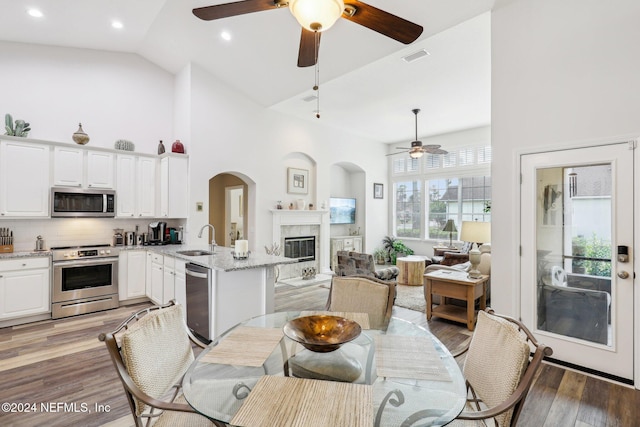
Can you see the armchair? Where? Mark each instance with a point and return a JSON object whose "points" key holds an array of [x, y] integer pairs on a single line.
{"points": [[361, 264], [451, 257]]}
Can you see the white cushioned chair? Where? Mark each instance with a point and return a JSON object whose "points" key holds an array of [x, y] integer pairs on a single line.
{"points": [[151, 351], [498, 370], [363, 294]]}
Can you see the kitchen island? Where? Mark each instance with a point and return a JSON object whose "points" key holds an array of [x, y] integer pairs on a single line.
{"points": [[238, 288]]}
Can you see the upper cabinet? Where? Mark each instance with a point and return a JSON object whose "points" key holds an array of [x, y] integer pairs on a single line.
{"points": [[24, 179], [174, 196], [79, 167], [135, 186]]}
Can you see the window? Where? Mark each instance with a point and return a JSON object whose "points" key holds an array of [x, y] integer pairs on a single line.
{"points": [[453, 186], [408, 203], [459, 199]]}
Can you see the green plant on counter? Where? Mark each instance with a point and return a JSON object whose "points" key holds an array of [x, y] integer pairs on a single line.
{"points": [[21, 128]]}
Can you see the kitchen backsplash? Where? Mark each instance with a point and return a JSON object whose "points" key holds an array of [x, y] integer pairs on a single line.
{"points": [[73, 231]]}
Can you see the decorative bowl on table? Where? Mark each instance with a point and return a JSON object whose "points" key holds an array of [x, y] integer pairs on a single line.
{"points": [[322, 333]]}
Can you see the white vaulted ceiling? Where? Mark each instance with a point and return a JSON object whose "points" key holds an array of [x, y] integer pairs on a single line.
{"points": [[365, 86]]}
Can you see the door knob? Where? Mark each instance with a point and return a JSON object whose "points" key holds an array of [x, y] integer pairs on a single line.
{"points": [[623, 275]]}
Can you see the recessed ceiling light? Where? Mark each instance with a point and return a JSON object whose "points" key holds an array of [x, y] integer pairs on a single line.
{"points": [[117, 25], [225, 35], [36, 13]]}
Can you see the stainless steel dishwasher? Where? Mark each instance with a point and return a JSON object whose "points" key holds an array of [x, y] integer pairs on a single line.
{"points": [[199, 301]]}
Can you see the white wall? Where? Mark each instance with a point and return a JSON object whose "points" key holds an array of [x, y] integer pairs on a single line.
{"points": [[563, 72], [231, 134], [114, 95]]}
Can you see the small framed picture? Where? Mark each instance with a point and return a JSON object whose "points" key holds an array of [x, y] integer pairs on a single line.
{"points": [[297, 181], [378, 190]]}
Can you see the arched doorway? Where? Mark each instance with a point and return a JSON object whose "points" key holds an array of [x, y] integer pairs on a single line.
{"points": [[228, 208]]}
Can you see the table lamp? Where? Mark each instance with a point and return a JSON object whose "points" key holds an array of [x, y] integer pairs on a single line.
{"points": [[450, 226], [475, 232]]}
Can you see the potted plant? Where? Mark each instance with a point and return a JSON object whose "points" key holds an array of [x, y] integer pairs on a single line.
{"points": [[380, 256], [400, 250], [387, 244]]}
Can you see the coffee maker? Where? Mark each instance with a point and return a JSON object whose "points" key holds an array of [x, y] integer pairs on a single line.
{"points": [[157, 231]]}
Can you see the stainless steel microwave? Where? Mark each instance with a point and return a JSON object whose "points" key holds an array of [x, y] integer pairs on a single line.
{"points": [[80, 202]]}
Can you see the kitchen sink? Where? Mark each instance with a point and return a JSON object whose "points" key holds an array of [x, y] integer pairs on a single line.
{"points": [[195, 253]]}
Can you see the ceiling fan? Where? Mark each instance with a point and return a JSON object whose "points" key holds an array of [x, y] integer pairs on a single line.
{"points": [[417, 149], [316, 16]]}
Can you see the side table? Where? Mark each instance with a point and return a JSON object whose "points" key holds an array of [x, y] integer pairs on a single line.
{"points": [[450, 284], [411, 270]]}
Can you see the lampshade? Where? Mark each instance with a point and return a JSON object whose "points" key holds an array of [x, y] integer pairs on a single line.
{"points": [[316, 15], [475, 232], [415, 154], [450, 226]]}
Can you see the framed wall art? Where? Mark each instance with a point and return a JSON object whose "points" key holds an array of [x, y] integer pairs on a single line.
{"points": [[297, 181], [378, 190]]}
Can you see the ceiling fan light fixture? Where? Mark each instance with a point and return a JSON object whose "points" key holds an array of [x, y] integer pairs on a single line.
{"points": [[415, 154], [316, 15]]}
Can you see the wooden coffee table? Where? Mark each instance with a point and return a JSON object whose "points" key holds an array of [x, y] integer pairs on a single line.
{"points": [[451, 284]]}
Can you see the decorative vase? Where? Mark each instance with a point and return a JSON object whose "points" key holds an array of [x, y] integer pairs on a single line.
{"points": [[177, 147], [160, 147], [300, 203], [80, 137]]}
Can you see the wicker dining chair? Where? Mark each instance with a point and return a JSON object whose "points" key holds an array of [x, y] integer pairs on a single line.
{"points": [[499, 370], [151, 350], [363, 294]]}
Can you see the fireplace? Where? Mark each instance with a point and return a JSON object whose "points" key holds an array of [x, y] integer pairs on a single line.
{"points": [[302, 248], [297, 224]]}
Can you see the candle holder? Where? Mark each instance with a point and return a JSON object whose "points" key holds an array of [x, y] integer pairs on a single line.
{"points": [[239, 256]]}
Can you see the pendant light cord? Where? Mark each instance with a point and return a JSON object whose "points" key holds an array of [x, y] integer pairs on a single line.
{"points": [[316, 87]]}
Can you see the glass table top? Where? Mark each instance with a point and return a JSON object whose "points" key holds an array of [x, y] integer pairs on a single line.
{"points": [[414, 379]]}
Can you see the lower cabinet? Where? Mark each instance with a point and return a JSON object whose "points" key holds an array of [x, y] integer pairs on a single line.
{"points": [[132, 274], [25, 287], [165, 279], [343, 243]]}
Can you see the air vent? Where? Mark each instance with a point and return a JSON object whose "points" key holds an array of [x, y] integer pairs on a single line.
{"points": [[309, 98], [415, 56]]}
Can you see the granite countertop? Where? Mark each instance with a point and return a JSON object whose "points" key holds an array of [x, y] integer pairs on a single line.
{"points": [[24, 254], [222, 259]]}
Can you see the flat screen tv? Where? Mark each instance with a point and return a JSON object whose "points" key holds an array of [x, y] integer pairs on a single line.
{"points": [[342, 210]]}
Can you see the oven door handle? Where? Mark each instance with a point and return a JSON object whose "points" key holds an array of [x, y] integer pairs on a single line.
{"points": [[94, 261]]}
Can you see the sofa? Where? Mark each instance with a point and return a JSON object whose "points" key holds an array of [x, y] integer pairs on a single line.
{"points": [[451, 257], [361, 264]]}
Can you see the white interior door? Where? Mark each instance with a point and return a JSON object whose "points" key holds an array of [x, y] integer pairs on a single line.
{"points": [[576, 211]]}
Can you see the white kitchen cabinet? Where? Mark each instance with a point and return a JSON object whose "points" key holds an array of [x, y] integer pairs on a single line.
{"points": [[132, 274], [100, 169], [68, 166], [180, 283], [173, 187], [168, 284], [344, 243], [135, 184], [24, 179], [157, 280], [81, 167], [146, 187], [24, 287]]}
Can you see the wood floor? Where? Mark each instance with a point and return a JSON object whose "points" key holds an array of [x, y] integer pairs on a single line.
{"points": [[63, 373]]}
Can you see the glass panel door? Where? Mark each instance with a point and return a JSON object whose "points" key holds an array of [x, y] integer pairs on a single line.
{"points": [[576, 209]]}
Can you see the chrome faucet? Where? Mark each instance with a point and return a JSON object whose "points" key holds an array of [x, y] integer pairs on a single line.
{"points": [[213, 236]]}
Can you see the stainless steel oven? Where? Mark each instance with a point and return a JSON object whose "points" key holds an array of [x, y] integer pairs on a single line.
{"points": [[85, 279]]}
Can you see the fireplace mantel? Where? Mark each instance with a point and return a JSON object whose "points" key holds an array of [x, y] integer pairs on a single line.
{"points": [[284, 217]]}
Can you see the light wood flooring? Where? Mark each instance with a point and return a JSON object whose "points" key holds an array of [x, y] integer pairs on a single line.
{"points": [[61, 362]]}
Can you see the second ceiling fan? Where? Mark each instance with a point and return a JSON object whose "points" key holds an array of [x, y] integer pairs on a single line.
{"points": [[417, 149], [316, 16]]}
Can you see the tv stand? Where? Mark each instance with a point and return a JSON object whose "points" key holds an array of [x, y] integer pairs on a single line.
{"points": [[344, 243]]}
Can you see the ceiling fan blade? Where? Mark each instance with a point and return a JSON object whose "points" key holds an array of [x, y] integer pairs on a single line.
{"points": [[209, 13], [309, 48], [394, 154], [383, 22], [403, 148], [435, 151]]}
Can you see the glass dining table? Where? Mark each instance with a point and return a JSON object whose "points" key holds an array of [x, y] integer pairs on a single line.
{"points": [[254, 375]]}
